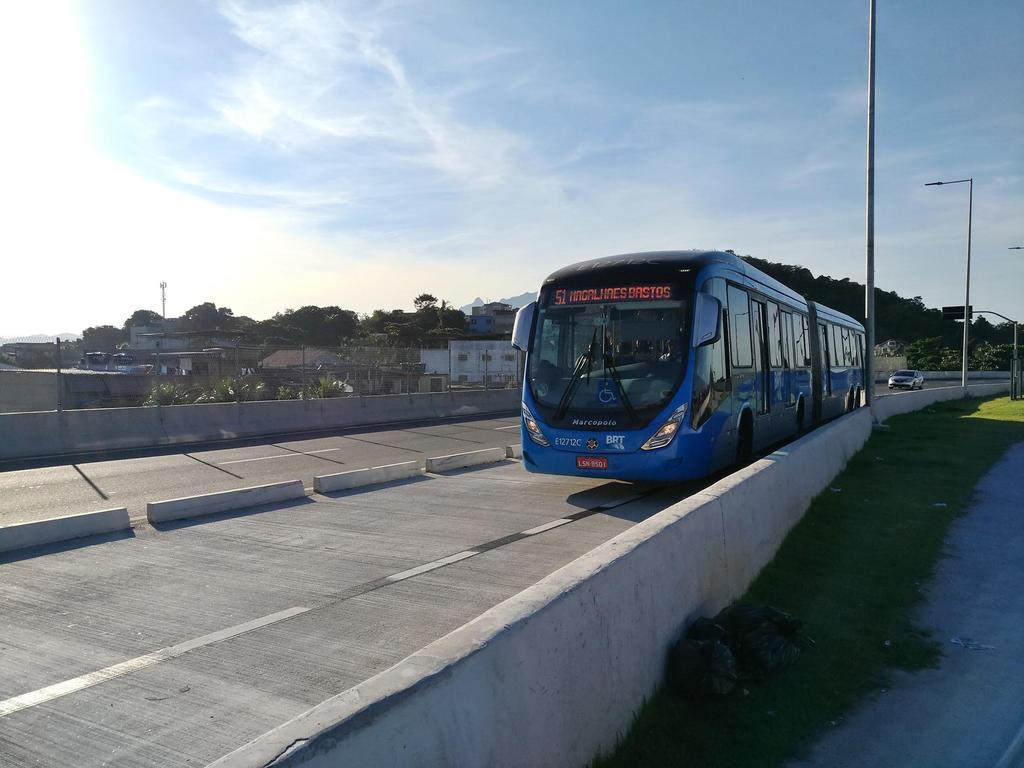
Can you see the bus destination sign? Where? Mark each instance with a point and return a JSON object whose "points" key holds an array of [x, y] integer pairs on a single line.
{"points": [[564, 296]]}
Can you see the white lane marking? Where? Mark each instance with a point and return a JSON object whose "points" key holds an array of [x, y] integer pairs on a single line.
{"points": [[511, 426], [50, 692], [547, 526], [1012, 756], [432, 566], [278, 456]]}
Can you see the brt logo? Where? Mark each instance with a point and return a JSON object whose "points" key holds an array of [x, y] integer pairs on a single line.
{"points": [[616, 442]]}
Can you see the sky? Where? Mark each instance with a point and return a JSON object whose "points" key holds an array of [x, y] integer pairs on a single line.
{"points": [[268, 155]]}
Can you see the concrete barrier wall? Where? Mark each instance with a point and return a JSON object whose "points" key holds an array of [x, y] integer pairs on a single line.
{"points": [[892, 405], [952, 375], [27, 390], [554, 675], [50, 433]]}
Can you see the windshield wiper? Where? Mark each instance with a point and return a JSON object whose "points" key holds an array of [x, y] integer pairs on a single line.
{"points": [[586, 361], [609, 365]]}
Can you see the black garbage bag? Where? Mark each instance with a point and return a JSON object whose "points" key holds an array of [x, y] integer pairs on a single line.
{"points": [[705, 629], [701, 668], [763, 639]]}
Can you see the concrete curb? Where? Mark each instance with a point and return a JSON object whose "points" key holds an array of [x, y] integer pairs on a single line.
{"points": [[356, 478], [514, 451], [56, 529], [468, 459], [224, 501]]}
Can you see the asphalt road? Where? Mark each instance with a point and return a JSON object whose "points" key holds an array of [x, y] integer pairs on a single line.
{"points": [[175, 645], [52, 491], [41, 492]]}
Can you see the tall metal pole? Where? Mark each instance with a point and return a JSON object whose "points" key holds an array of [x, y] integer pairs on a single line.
{"points": [[163, 300], [869, 289], [967, 290]]}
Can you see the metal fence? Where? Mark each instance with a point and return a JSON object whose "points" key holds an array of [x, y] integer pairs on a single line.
{"points": [[63, 376]]}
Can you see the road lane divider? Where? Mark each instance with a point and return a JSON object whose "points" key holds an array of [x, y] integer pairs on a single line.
{"points": [[63, 688], [357, 478], [58, 529], [224, 501], [514, 451], [468, 459]]}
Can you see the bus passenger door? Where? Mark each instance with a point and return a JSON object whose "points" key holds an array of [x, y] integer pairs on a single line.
{"points": [[762, 371], [826, 360]]}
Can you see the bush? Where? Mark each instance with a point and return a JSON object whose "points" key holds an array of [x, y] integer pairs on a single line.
{"points": [[171, 394]]}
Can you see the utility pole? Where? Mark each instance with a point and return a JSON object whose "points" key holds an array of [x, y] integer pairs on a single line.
{"points": [[869, 289], [163, 300]]}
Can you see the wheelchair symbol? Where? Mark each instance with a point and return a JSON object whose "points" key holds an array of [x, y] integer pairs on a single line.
{"points": [[606, 394]]}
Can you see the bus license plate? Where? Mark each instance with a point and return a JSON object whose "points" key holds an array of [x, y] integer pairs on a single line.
{"points": [[591, 462]]}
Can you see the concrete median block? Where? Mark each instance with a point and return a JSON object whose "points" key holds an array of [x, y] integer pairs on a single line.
{"points": [[463, 460], [514, 451], [224, 501], [357, 478], [57, 529]]}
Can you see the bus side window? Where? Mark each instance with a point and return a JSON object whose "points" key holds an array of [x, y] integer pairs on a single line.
{"points": [[805, 342], [787, 340], [836, 346], [739, 328]]}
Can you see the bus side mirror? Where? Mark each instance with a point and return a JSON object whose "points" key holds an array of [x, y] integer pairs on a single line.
{"points": [[707, 320], [524, 324]]}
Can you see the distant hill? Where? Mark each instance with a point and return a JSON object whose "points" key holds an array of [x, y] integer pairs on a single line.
{"points": [[516, 301], [39, 338]]}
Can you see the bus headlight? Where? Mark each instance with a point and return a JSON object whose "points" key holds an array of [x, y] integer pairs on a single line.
{"points": [[532, 429], [666, 432]]}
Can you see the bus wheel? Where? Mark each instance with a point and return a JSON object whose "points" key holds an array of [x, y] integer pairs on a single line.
{"points": [[745, 441]]}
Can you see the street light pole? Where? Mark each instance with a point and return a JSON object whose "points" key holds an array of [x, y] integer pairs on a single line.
{"points": [[967, 290], [1015, 248], [869, 282]]}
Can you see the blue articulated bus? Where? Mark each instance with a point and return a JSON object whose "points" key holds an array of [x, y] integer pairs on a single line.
{"points": [[670, 365]]}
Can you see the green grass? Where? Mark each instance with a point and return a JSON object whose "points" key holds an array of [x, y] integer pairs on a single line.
{"points": [[852, 570]]}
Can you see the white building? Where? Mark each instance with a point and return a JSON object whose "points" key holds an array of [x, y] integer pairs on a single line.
{"points": [[494, 362]]}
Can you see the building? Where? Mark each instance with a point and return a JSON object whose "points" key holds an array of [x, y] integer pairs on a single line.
{"points": [[472, 362], [890, 348], [492, 318]]}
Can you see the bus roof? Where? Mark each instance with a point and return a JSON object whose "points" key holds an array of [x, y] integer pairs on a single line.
{"points": [[693, 259]]}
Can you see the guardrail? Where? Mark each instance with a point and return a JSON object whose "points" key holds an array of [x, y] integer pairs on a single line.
{"points": [[552, 676], [55, 433]]}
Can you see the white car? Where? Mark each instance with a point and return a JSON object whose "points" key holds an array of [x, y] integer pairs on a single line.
{"points": [[906, 380]]}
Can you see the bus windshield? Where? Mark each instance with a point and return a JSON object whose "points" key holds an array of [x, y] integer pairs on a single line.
{"points": [[595, 362]]}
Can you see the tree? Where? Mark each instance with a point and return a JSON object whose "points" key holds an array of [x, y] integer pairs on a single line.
{"points": [[424, 301], [142, 317], [927, 354], [101, 338], [207, 317]]}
